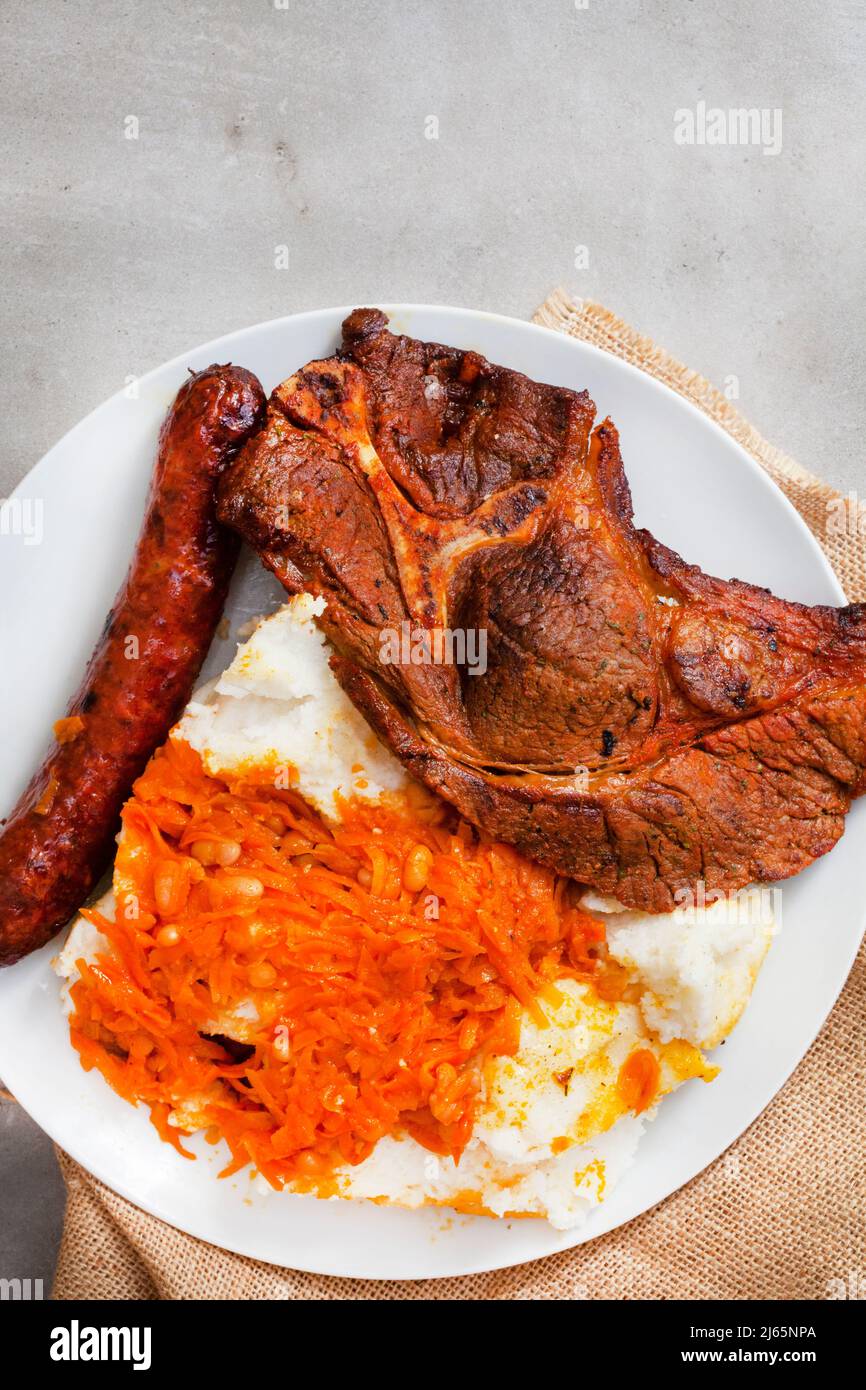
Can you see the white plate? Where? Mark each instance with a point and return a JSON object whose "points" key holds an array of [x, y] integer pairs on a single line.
{"points": [[698, 492]]}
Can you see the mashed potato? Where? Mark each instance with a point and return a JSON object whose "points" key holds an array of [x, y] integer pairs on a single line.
{"points": [[698, 966], [279, 705], [553, 1131]]}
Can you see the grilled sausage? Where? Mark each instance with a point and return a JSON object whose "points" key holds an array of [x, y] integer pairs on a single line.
{"points": [[58, 840]]}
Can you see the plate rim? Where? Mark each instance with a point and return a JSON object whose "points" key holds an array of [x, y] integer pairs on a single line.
{"points": [[390, 307], [224, 343]]}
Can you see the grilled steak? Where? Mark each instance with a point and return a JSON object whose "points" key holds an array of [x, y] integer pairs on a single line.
{"points": [[639, 725]]}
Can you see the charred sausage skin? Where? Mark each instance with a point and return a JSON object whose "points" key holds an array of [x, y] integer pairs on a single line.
{"points": [[59, 838]]}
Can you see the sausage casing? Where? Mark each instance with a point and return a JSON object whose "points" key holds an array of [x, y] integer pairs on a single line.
{"points": [[59, 838]]}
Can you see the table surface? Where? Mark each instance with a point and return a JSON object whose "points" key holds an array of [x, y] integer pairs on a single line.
{"points": [[163, 163]]}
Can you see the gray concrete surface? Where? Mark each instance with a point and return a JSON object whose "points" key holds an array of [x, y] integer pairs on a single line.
{"points": [[31, 1201], [305, 125]]}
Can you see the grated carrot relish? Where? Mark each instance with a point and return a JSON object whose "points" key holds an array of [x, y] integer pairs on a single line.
{"points": [[387, 957]]}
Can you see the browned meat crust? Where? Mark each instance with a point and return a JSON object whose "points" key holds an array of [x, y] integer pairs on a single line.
{"points": [[640, 725]]}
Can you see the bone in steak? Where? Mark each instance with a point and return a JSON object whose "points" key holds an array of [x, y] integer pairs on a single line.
{"points": [[640, 726]]}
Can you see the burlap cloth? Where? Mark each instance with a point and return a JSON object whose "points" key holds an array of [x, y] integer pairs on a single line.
{"points": [[780, 1215]]}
